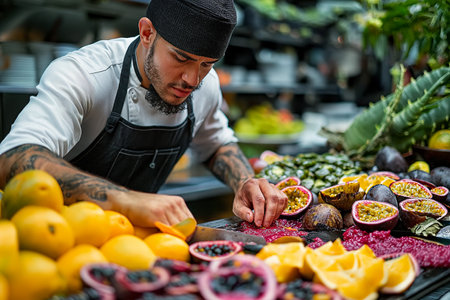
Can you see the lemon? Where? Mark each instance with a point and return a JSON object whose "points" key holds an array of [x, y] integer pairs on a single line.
{"points": [[440, 140], [32, 187], [89, 223], [118, 224], [128, 251], [419, 165], [168, 246], [71, 262], [36, 277]]}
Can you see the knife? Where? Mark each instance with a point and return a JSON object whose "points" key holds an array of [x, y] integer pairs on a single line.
{"points": [[214, 234]]}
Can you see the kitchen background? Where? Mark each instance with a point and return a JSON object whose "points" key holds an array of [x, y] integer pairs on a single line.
{"points": [[306, 58]]}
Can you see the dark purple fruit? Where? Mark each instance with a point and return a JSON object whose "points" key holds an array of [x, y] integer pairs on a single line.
{"points": [[323, 217], [348, 220], [372, 215], [420, 175], [299, 200], [415, 211], [440, 176], [389, 159], [381, 193], [214, 250]]}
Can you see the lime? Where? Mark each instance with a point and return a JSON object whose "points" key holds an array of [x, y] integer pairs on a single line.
{"points": [[419, 165]]}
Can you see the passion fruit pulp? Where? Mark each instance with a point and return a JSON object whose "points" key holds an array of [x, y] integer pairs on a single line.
{"points": [[372, 215], [406, 188], [289, 181], [299, 200], [415, 211], [440, 193], [214, 250]]}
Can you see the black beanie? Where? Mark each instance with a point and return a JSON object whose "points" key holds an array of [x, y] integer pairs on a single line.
{"points": [[200, 27]]}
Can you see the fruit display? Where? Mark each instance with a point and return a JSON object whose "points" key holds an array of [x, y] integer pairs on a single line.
{"points": [[122, 261], [263, 119]]}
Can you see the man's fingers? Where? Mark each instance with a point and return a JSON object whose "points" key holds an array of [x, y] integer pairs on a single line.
{"points": [[243, 212]]}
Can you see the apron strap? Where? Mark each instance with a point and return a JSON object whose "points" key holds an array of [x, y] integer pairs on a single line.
{"points": [[123, 87]]}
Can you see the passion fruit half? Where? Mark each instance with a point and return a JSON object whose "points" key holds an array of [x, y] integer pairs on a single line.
{"points": [[407, 188], [239, 277], [101, 277], [372, 215], [289, 181], [142, 281], [299, 200], [341, 196], [415, 211], [214, 250], [440, 193]]}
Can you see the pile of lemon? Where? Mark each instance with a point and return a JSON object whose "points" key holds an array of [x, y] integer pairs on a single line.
{"points": [[45, 243]]}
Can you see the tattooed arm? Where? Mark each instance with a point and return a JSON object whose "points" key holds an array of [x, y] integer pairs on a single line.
{"points": [[142, 209], [255, 200]]}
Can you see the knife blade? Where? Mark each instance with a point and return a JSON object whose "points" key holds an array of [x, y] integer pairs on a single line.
{"points": [[214, 234]]}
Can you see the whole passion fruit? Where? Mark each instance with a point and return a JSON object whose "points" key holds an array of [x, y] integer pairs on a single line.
{"points": [[341, 196], [289, 181], [440, 193], [323, 217], [372, 215], [415, 211], [214, 250], [299, 200], [406, 188], [381, 193], [238, 277]]}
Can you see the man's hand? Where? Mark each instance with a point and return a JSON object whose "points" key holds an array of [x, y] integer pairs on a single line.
{"points": [[145, 209], [266, 201]]}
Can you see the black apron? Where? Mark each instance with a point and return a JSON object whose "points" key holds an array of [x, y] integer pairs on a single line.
{"points": [[137, 157]]}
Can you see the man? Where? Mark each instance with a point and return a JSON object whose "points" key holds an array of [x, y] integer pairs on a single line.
{"points": [[111, 119]]}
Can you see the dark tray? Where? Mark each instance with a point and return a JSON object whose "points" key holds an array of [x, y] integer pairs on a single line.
{"points": [[428, 280]]}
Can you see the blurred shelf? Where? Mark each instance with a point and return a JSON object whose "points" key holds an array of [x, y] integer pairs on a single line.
{"points": [[262, 88]]}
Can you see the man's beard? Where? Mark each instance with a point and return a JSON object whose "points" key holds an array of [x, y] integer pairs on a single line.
{"points": [[152, 95]]}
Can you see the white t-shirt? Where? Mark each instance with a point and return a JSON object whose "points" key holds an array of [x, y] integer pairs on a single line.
{"points": [[76, 95]]}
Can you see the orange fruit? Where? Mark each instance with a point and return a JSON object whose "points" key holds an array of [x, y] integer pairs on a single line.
{"points": [[32, 187], [35, 278], [118, 224], [128, 251], [9, 246], [143, 232], [183, 230], [440, 140], [43, 230], [71, 262], [4, 288], [165, 245], [401, 274], [89, 223]]}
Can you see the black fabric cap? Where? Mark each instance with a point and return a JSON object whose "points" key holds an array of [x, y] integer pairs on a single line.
{"points": [[200, 27]]}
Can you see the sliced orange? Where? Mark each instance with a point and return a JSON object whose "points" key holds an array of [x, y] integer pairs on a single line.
{"points": [[183, 230], [401, 274], [332, 248]]}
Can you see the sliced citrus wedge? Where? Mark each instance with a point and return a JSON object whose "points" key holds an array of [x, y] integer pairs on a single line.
{"points": [[183, 230], [402, 272]]}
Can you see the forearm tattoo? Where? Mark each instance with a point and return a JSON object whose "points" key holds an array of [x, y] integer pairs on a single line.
{"points": [[76, 185], [231, 166]]}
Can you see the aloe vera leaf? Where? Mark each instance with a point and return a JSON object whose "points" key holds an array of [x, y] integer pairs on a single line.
{"points": [[409, 115], [435, 119], [365, 124]]}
